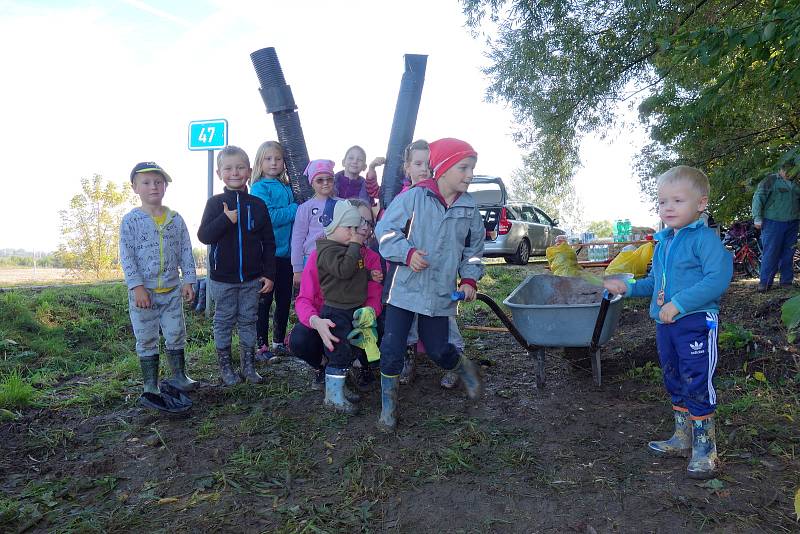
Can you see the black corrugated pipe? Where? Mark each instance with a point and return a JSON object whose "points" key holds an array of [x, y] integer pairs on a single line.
{"points": [[278, 98], [405, 119]]}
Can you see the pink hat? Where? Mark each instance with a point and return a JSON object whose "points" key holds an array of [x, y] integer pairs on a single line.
{"points": [[447, 152], [317, 167]]}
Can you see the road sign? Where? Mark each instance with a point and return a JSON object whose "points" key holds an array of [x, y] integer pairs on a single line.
{"points": [[208, 135]]}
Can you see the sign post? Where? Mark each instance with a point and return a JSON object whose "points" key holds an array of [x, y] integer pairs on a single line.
{"points": [[208, 135]]}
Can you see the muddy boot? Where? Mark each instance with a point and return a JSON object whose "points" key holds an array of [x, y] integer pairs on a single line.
{"points": [[177, 362], [334, 391], [150, 373], [449, 380], [229, 377], [680, 444], [387, 422], [468, 374], [703, 464], [350, 388], [247, 364], [409, 365]]}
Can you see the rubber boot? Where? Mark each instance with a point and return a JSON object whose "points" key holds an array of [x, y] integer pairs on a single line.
{"points": [[703, 464], [350, 389], [409, 365], [247, 363], [387, 422], [229, 377], [177, 362], [468, 373], [150, 373], [334, 391], [680, 444]]}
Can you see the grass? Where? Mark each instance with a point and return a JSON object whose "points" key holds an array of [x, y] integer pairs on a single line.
{"points": [[15, 391]]}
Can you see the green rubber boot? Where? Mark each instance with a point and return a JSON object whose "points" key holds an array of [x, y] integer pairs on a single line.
{"points": [[334, 391], [680, 444], [703, 464], [468, 372], [150, 373], [387, 422], [177, 362]]}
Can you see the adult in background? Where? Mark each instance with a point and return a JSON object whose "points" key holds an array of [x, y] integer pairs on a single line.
{"points": [[776, 210]]}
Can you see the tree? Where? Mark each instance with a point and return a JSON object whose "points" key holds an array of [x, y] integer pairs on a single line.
{"points": [[90, 226], [718, 83], [601, 228]]}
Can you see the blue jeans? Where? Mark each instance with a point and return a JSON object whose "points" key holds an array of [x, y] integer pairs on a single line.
{"points": [[778, 239]]}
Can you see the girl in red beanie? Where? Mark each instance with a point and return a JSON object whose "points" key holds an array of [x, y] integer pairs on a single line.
{"points": [[435, 232]]}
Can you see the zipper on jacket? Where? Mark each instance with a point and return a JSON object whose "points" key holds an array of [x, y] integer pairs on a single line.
{"points": [[160, 255], [239, 227], [249, 219]]}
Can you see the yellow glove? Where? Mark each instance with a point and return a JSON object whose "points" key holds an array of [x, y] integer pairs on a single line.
{"points": [[365, 333]]}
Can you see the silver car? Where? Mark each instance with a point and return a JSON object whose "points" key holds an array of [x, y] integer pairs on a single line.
{"points": [[514, 230]]}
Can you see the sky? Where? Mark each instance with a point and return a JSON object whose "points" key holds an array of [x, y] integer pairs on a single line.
{"points": [[93, 87]]}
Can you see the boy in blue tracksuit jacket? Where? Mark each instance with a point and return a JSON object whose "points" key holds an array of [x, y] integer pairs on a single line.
{"points": [[691, 271]]}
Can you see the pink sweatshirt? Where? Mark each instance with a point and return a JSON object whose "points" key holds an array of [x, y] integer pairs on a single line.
{"points": [[310, 299]]}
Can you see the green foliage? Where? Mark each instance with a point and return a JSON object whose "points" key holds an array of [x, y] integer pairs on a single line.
{"points": [[15, 391], [718, 84], [601, 228], [90, 226], [790, 315], [734, 336]]}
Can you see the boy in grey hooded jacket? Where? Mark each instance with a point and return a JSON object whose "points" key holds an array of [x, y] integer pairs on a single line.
{"points": [[154, 245]]}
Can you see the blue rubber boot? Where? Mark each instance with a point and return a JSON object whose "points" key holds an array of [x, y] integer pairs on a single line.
{"points": [[468, 373], [334, 391], [703, 464], [680, 444], [177, 362], [150, 373], [390, 385]]}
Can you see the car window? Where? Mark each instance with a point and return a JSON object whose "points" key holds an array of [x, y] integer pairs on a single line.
{"points": [[543, 217], [529, 215], [513, 213]]}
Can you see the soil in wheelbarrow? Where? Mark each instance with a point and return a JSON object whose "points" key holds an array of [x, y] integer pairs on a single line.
{"points": [[567, 458]]}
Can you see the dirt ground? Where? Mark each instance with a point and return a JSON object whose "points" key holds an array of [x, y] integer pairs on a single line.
{"points": [[566, 458]]}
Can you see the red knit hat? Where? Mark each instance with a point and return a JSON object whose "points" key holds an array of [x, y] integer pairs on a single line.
{"points": [[447, 152]]}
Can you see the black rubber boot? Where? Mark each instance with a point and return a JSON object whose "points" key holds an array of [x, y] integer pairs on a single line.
{"points": [[247, 363], [409, 371], [229, 377], [177, 362], [150, 373]]}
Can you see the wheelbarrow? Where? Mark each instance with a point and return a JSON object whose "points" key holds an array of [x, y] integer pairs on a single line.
{"points": [[587, 319]]}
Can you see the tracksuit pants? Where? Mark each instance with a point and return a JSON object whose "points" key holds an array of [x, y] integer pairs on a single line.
{"points": [[433, 332], [165, 313], [687, 350], [778, 239]]}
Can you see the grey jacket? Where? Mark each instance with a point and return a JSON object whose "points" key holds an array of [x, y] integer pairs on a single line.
{"points": [[452, 236], [151, 254]]}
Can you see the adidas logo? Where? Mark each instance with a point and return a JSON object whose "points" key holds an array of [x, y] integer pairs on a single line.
{"points": [[696, 347]]}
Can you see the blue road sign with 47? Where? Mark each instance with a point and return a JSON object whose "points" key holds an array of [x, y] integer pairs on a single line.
{"points": [[208, 135]]}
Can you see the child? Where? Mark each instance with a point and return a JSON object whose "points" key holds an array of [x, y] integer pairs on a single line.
{"points": [[242, 264], [343, 280], [154, 244], [435, 232], [308, 225], [691, 270], [271, 184], [349, 183]]}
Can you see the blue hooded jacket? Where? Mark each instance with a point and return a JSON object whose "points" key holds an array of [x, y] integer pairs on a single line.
{"points": [[282, 208], [693, 268]]}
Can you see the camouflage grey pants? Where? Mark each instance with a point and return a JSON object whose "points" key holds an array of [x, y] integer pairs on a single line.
{"points": [[235, 303], [166, 312]]}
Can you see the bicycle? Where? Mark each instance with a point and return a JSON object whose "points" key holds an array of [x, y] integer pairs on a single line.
{"points": [[742, 240]]}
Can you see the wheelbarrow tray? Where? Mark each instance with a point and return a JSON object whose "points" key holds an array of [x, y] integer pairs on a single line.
{"points": [[559, 325]]}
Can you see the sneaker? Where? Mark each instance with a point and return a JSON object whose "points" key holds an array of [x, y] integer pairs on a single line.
{"points": [[279, 349], [449, 380], [318, 381]]}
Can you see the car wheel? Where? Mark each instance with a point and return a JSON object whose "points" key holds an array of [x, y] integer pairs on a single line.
{"points": [[523, 253]]}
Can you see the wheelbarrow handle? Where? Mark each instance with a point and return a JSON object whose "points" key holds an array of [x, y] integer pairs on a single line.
{"points": [[486, 299], [601, 320]]}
